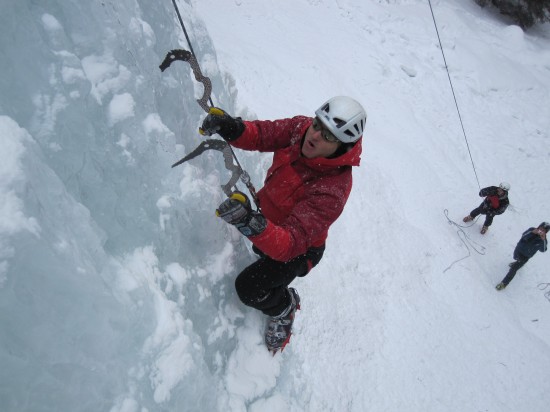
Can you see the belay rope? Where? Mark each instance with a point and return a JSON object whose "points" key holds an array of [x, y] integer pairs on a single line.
{"points": [[230, 159], [465, 240], [453, 91], [544, 286]]}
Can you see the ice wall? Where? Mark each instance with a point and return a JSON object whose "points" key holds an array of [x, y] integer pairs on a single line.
{"points": [[108, 257]]}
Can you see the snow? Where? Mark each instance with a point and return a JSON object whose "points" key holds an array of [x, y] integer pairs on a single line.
{"points": [[116, 279], [121, 108]]}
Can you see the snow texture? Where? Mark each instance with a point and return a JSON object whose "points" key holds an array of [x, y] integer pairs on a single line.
{"points": [[116, 278]]}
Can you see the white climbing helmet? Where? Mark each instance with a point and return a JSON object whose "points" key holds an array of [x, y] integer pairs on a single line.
{"points": [[344, 117], [504, 186]]}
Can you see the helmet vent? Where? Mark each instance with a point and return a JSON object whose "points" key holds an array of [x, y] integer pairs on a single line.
{"points": [[339, 122]]}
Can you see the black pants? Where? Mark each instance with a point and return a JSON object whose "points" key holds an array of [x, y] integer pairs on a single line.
{"points": [[263, 284], [482, 209], [520, 260]]}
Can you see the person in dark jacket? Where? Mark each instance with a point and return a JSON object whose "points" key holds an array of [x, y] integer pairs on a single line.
{"points": [[495, 203], [532, 241], [305, 191]]}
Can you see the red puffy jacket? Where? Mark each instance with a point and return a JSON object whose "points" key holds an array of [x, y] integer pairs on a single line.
{"points": [[301, 197], [493, 201]]}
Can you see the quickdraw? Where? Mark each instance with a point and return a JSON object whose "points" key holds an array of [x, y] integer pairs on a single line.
{"points": [[231, 162]]}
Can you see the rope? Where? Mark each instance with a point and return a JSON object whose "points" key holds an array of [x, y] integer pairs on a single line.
{"points": [[544, 286], [454, 95], [464, 239], [188, 41]]}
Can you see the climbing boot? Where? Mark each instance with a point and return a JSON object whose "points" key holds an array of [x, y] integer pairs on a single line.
{"points": [[279, 328]]}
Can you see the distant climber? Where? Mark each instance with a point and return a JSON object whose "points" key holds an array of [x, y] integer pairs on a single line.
{"points": [[495, 203], [533, 240]]}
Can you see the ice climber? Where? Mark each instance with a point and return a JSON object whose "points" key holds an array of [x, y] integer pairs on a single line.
{"points": [[304, 192], [495, 203], [532, 240]]}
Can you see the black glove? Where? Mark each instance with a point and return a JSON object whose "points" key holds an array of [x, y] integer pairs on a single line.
{"points": [[236, 210], [218, 121]]}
